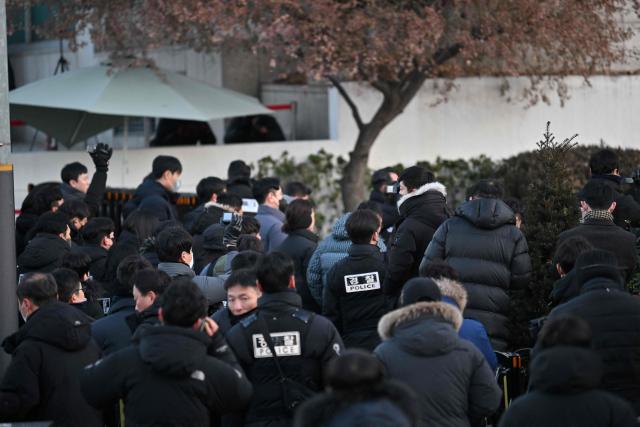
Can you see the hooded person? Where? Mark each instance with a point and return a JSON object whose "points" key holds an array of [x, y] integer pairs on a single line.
{"points": [[565, 377], [358, 394], [489, 253], [422, 209], [239, 179], [421, 347], [613, 315], [168, 377], [330, 250]]}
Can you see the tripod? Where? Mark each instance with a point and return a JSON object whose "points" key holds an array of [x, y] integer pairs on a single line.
{"points": [[61, 66]]}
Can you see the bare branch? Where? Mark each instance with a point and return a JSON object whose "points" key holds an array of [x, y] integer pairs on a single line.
{"points": [[354, 108]]}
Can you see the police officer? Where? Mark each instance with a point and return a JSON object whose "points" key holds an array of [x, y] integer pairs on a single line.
{"points": [[353, 299], [303, 344]]}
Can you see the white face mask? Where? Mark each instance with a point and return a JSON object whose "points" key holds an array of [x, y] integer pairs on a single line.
{"points": [[177, 185]]}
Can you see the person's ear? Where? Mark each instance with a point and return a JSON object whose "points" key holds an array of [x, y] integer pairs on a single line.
{"points": [[184, 257], [160, 315], [560, 270], [292, 282], [612, 207], [259, 287], [214, 198], [152, 295], [585, 206]]}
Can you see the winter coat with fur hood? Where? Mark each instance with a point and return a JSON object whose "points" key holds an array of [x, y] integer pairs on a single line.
{"points": [[421, 348], [470, 330], [421, 213], [491, 256]]}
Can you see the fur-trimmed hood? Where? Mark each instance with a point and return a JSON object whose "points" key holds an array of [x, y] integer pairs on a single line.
{"points": [[453, 290], [425, 324], [225, 208], [432, 186]]}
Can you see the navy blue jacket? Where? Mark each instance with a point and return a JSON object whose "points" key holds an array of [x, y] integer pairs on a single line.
{"points": [[112, 332]]}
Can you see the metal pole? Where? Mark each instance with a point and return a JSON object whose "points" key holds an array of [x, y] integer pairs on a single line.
{"points": [[8, 299]]}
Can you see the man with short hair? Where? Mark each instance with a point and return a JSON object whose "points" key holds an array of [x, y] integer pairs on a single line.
{"points": [[353, 298], [75, 179], [303, 342], [239, 179], [45, 251], [208, 211], [98, 237], [613, 315], [296, 190], [72, 291], [42, 383], [168, 378], [155, 194], [597, 204], [489, 253], [242, 299], [564, 258], [148, 287], [78, 213], [422, 207], [174, 246], [268, 193], [111, 332], [605, 168]]}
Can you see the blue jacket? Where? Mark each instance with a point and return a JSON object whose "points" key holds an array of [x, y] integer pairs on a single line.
{"points": [[152, 197], [329, 251], [112, 332], [271, 221], [471, 330]]}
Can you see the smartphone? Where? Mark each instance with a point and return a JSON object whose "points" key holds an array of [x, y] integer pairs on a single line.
{"points": [[227, 217]]}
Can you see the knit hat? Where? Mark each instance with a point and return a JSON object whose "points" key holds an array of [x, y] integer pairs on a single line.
{"points": [[419, 289]]}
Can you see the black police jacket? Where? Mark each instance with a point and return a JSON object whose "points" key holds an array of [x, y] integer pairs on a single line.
{"points": [[353, 298], [304, 343]]}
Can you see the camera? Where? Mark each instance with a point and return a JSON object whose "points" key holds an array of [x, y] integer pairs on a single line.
{"points": [[393, 188]]}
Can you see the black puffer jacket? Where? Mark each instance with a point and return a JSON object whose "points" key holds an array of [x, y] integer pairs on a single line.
{"points": [[389, 404], [356, 309], [491, 257], [168, 379], [126, 244], [614, 317], [627, 212], [203, 216], [389, 209], [563, 393], [43, 380], [452, 379], [161, 198], [605, 235], [43, 253], [421, 213], [300, 245]]}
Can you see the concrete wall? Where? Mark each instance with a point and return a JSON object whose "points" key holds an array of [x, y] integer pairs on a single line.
{"points": [[478, 120]]}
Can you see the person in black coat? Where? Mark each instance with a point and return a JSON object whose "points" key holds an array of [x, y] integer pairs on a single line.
{"points": [[168, 378], [45, 251], [239, 179], [98, 236], [613, 315], [304, 343], [422, 209], [421, 348], [76, 184], [159, 188], [567, 252], [564, 381], [208, 191], [353, 298], [387, 202], [299, 245], [358, 394], [42, 383], [111, 332], [42, 198], [605, 169], [242, 299], [490, 254], [598, 205]]}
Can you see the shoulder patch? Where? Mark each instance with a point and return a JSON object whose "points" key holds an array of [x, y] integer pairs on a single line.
{"points": [[303, 315], [247, 321], [362, 282]]}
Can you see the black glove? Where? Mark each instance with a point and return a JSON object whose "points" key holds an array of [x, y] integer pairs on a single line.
{"points": [[232, 232], [101, 156]]}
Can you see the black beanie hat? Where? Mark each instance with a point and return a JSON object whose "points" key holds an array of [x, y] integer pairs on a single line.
{"points": [[597, 263], [419, 289]]}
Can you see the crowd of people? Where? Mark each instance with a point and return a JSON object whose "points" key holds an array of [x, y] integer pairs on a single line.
{"points": [[227, 317]]}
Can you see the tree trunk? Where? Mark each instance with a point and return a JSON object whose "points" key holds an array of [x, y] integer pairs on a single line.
{"points": [[396, 97]]}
